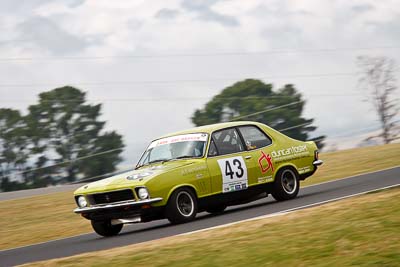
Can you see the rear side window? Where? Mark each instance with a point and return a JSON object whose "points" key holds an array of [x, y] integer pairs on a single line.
{"points": [[226, 142], [253, 137]]}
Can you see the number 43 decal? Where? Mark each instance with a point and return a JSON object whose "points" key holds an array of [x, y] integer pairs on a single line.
{"points": [[233, 169], [239, 169]]}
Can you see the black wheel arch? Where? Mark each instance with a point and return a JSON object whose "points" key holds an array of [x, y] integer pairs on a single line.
{"points": [[188, 187], [286, 166]]}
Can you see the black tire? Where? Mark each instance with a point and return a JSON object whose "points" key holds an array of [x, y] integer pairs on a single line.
{"points": [[105, 228], [286, 185], [181, 206], [216, 209]]}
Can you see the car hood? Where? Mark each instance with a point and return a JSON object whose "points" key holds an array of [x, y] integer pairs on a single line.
{"points": [[132, 178]]}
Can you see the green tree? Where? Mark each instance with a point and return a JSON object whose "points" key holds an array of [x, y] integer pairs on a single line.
{"points": [[103, 163], [63, 125], [14, 148], [254, 100]]}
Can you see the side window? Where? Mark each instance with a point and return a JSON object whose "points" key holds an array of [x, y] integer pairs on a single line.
{"points": [[212, 151], [254, 137], [227, 141]]}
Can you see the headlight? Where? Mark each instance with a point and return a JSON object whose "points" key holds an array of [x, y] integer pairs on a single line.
{"points": [[143, 193], [82, 202]]}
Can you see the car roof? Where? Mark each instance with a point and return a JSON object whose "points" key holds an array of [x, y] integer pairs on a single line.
{"points": [[211, 128]]}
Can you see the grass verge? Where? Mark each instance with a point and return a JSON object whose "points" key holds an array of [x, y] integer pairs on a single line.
{"points": [[360, 231], [345, 163], [43, 218], [38, 219]]}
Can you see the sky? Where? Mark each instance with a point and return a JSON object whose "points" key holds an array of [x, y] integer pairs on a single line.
{"points": [[153, 63]]}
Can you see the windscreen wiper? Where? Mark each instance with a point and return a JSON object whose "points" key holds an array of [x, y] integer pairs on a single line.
{"points": [[185, 156], [158, 160], [153, 161], [165, 160]]}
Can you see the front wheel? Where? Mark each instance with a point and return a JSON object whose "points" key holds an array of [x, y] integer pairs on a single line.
{"points": [[182, 206], [105, 228], [286, 185]]}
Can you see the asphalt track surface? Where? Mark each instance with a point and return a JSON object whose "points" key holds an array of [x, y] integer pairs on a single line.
{"points": [[38, 191], [136, 233]]}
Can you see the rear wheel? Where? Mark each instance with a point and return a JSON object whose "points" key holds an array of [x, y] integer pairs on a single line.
{"points": [[105, 228], [286, 185], [182, 206], [216, 209]]}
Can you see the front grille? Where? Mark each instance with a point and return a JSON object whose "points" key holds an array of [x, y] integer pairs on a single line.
{"points": [[111, 197]]}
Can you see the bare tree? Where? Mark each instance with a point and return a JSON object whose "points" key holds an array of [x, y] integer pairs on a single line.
{"points": [[378, 79]]}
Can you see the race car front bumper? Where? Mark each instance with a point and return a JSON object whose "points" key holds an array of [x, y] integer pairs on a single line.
{"points": [[117, 205], [317, 162]]}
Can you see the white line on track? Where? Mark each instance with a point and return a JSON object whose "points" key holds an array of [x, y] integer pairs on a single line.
{"points": [[356, 175], [283, 212]]}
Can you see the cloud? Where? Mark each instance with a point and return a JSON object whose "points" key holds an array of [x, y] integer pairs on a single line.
{"points": [[284, 36], [362, 8], [136, 27], [28, 6], [8, 7], [204, 11], [48, 35], [167, 13], [386, 29], [282, 33], [74, 3]]}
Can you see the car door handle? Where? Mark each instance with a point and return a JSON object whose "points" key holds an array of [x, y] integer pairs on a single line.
{"points": [[247, 157]]}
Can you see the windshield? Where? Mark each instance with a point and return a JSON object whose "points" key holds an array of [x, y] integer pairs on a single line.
{"points": [[175, 147]]}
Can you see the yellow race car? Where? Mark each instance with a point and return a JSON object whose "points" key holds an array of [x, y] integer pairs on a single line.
{"points": [[202, 169]]}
